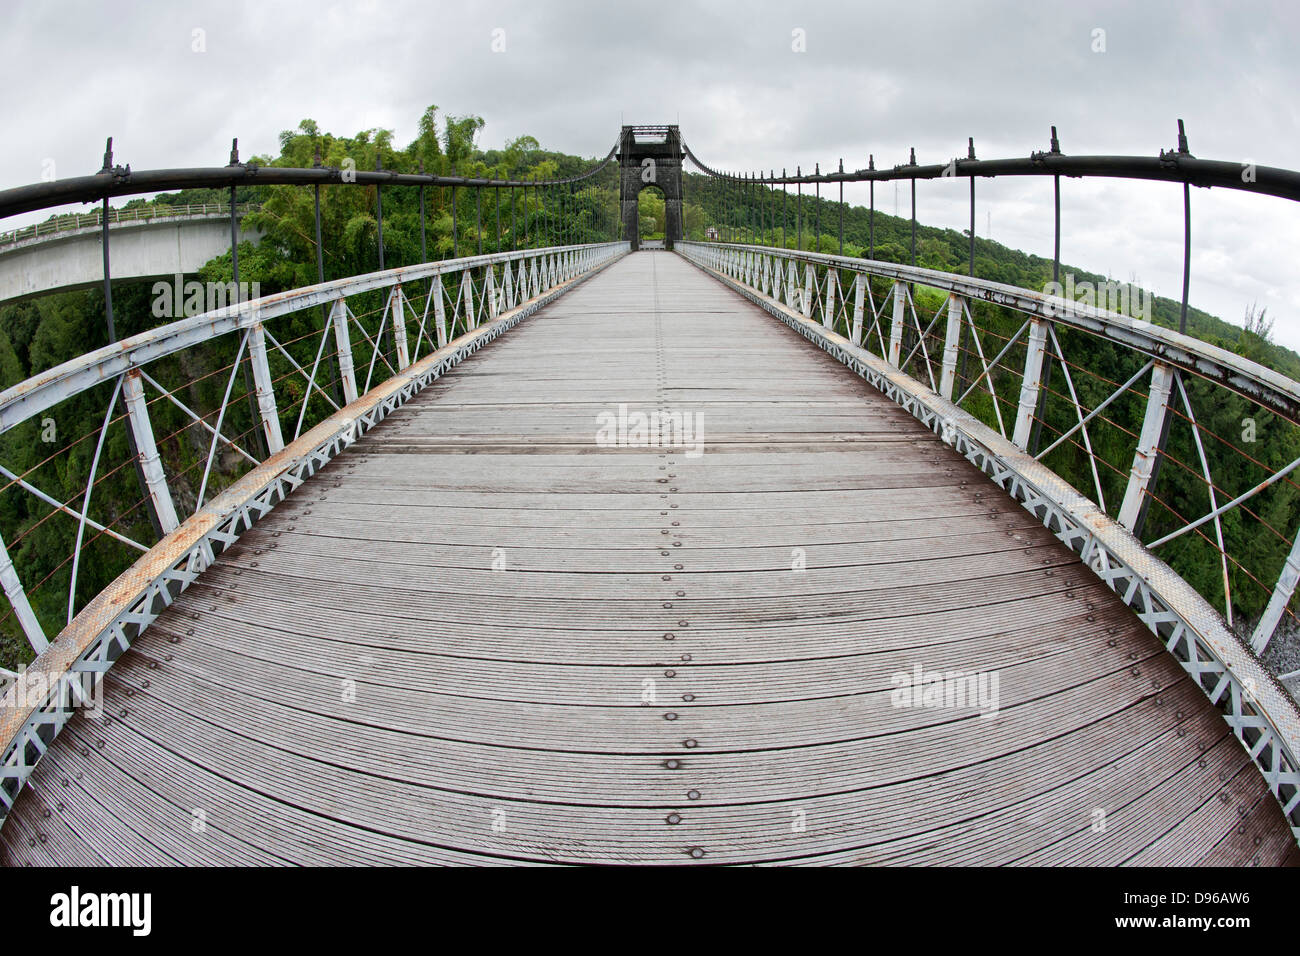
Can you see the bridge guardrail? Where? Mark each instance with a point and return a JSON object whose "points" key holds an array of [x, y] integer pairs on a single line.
{"points": [[1197, 396], [841, 304], [232, 388], [986, 343], [22, 439], [74, 221]]}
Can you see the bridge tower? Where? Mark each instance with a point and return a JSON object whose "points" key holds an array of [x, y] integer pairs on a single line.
{"points": [[651, 156]]}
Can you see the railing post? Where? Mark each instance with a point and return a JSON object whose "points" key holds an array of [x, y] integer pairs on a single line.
{"points": [[397, 308], [1031, 383], [828, 307], [859, 295], [467, 294], [440, 311], [1132, 513], [490, 291], [112, 327], [950, 343], [13, 589], [264, 388], [896, 324], [137, 413], [1282, 594], [343, 341]]}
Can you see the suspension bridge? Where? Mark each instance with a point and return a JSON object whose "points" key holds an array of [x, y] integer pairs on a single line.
{"points": [[724, 552]]}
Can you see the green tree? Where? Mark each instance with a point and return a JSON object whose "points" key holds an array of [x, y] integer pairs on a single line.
{"points": [[651, 213]]}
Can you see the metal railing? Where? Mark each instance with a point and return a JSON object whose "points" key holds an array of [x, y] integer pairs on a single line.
{"points": [[1107, 426], [323, 365], [133, 214], [183, 435], [751, 209], [909, 331], [267, 368], [985, 346]]}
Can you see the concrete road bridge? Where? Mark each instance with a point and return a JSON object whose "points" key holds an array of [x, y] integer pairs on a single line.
{"points": [[150, 242], [720, 553]]}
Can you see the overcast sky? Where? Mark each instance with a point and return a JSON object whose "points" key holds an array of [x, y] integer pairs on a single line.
{"points": [[874, 78]]}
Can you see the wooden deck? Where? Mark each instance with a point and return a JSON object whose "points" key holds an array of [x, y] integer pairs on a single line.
{"points": [[652, 677]]}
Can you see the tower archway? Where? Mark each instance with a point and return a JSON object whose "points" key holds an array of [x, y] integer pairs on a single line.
{"points": [[651, 156]]}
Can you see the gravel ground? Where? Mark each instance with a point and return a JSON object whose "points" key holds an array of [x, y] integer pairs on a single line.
{"points": [[1282, 656]]}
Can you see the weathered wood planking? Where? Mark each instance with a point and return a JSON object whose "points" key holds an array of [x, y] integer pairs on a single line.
{"points": [[680, 659]]}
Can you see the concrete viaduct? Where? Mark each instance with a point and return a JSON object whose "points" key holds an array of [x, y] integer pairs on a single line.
{"points": [[155, 242]]}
